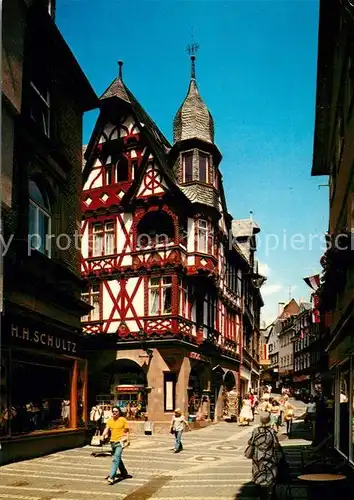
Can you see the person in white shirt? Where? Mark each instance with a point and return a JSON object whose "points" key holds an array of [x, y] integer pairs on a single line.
{"points": [[177, 427], [343, 397], [310, 411]]}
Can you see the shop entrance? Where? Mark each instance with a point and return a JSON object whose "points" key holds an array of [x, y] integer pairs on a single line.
{"points": [[230, 396], [126, 387], [199, 391]]}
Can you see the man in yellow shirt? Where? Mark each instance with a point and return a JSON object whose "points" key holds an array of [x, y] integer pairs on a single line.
{"points": [[118, 427]]}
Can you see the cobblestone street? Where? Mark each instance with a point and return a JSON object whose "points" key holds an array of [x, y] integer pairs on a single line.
{"points": [[212, 466]]}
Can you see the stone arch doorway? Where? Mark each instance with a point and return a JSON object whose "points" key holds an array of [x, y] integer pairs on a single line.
{"points": [[126, 383], [199, 388], [230, 381], [230, 396]]}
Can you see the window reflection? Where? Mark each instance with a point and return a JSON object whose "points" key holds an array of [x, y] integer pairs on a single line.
{"points": [[352, 422], [344, 385]]}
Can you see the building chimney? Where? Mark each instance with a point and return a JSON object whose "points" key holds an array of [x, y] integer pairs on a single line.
{"points": [[280, 308]]}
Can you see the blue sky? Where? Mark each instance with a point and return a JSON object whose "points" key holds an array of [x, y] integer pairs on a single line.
{"points": [[256, 71]]}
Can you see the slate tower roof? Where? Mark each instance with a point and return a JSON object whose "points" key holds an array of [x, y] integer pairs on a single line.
{"points": [[193, 119]]}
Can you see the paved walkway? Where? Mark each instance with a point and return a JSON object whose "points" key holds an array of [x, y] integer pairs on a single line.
{"points": [[211, 467]]}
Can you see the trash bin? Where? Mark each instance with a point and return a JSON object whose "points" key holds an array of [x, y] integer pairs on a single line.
{"points": [[148, 428]]}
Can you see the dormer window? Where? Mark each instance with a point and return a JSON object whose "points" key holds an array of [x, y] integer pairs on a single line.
{"points": [[203, 167], [187, 163]]}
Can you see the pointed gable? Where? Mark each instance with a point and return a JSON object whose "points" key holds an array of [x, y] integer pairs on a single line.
{"points": [[153, 183]]}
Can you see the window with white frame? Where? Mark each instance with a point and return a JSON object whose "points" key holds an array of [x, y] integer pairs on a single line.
{"points": [[40, 106], [92, 297], [202, 235], [160, 295], [103, 239], [39, 219]]}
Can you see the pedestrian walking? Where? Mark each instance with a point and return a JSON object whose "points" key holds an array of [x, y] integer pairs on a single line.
{"points": [[265, 451], [281, 407], [178, 424], [265, 406], [275, 415], [117, 427], [310, 412], [246, 415], [288, 415], [253, 402]]}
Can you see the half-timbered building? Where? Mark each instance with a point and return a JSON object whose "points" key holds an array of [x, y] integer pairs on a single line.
{"points": [[171, 278]]}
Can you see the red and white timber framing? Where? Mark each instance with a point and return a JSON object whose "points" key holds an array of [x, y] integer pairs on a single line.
{"points": [[127, 271]]}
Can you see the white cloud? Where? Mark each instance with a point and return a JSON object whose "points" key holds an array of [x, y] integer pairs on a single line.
{"points": [[271, 289], [263, 269]]}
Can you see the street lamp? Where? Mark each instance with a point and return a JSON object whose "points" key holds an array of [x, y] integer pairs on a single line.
{"points": [[143, 336]]}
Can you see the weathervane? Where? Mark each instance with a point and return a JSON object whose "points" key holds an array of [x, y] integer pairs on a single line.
{"points": [[192, 49]]}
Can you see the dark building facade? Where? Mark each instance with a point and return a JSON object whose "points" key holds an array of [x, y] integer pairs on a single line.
{"points": [[43, 368], [334, 157]]}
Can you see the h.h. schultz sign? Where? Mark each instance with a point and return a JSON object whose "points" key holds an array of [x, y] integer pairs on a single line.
{"points": [[43, 339]]}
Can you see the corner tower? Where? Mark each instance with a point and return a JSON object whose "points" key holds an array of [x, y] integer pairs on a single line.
{"points": [[195, 157]]}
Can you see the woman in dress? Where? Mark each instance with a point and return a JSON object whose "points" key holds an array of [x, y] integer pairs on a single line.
{"points": [[246, 415], [275, 415], [288, 415], [265, 453]]}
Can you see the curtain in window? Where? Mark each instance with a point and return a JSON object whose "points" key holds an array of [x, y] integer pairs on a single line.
{"points": [[95, 313], [202, 236], [154, 296], [97, 243], [86, 298], [109, 239], [166, 299]]}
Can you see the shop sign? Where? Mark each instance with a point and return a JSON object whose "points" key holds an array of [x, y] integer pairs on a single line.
{"points": [[301, 378], [129, 388], [199, 357], [342, 351], [39, 338], [246, 374]]}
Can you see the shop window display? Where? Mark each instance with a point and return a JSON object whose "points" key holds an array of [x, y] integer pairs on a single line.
{"points": [[344, 385], [129, 390], [352, 421], [133, 405], [7, 413], [195, 393], [40, 395], [81, 370]]}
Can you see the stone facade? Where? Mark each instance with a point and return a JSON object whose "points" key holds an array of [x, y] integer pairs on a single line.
{"points": [[44, 96]]}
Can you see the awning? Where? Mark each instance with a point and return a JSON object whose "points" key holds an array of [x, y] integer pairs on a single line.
{"points": [[245, 374]]}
